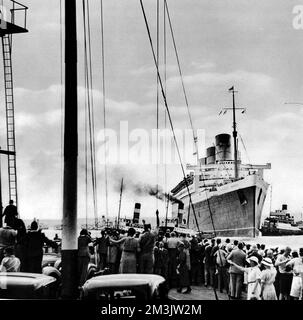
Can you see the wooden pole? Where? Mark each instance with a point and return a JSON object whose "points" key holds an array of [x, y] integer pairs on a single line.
{"points": [[69, 223]]}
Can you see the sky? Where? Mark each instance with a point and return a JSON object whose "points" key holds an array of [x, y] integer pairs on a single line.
{"points": [[251, 45]]}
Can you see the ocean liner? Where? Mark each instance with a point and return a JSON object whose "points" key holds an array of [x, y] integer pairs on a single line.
{"points": [[221, 195]]}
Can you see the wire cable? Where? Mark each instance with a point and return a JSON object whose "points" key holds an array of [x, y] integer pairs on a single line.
{"points": [[189, 115], [168, 111], [104, 106]]}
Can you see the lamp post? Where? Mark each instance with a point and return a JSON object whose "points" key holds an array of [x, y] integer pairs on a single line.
{"points": [[8, 153]]}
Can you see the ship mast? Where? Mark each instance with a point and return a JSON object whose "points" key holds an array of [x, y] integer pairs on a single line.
{"points": [[69, 221], [235, 133]]}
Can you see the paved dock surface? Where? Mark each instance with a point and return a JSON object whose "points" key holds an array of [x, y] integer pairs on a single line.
{"points": [[199, 293]]}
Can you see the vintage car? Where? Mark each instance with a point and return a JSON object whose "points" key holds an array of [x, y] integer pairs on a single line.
{"points": [[20, 285], [49, 259], [91, 269], [125, 286]]}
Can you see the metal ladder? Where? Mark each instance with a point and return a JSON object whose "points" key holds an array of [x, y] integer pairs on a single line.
{"points": [[10, 116]]}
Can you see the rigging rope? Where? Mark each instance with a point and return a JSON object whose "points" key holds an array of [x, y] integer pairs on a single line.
{"points": [[93, 152], [189, 115], [104, 106], [244, 147], [179, 68], [157, 105], [89, 101], [168, 111], [194, 136], [165, 91]]}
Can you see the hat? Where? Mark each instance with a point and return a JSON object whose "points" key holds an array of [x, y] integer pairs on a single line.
{"points": [[254, 259], [267, 262]]}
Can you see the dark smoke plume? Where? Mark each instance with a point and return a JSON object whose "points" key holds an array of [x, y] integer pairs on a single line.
{"points": [[154, 191], [141, 189]]}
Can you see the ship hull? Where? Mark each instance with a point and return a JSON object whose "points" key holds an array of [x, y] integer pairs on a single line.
{"points": [[232, 211], [280, 232]]}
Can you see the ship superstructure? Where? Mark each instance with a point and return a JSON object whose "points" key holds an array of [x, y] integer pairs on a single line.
{"points": [[222, 203]]}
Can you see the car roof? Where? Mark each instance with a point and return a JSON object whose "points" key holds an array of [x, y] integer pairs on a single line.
{"points": [[123, 280], [22, 279]]}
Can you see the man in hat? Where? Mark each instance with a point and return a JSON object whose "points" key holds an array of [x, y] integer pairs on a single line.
{"points": [[285, 278], [172, 245], [222, 267], [238, 257], [147, 244], [102, 248], [183, 271], [35, 242], [161, 260], [10, 213], [209, 265]]}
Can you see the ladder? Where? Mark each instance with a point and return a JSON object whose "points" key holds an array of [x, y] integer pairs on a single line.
{"points": [[10, 116]]}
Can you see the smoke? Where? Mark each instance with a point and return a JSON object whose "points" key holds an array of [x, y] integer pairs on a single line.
{"points": [[132, 185], [151, 190]]}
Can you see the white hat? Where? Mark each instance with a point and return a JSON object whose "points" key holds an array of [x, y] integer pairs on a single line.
{"points": [[254, 259]]}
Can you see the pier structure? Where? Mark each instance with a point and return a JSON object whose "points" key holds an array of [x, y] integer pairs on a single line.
{"points": [[13, 20]]}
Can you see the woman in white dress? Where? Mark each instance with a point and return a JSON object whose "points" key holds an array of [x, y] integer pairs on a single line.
{"points": [[253, 278], [268, 276]]}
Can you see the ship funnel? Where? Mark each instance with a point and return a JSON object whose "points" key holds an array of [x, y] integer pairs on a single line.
{"points": [[211, 155], [223, 147], [137, 210], [284, 207]]}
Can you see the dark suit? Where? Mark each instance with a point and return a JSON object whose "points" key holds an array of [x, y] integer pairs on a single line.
{"points": [[161, 262]]}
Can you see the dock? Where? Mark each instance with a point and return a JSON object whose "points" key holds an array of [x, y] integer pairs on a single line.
{"points": [[200, 293]]}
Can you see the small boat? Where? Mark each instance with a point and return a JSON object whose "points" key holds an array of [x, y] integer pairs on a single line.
{"points": [[280, 223]]}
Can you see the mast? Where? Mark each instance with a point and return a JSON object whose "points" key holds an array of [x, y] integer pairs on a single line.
{"points": [[119, 211], [69, 221], [235, 133]]}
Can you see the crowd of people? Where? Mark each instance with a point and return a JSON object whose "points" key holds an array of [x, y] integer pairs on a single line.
{"points": [[240, 270], [21, 249]]}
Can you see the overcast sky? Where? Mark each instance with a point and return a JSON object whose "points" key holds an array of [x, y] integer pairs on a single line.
{"points": [[251, 45]]}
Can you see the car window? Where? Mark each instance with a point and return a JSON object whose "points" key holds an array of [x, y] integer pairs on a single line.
{"points": [[127, 293]]}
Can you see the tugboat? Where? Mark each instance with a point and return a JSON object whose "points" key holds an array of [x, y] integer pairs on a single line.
{"points": [[280, 223]]}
